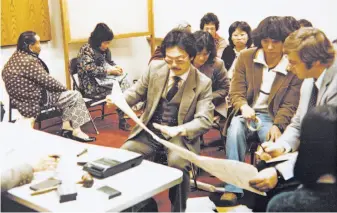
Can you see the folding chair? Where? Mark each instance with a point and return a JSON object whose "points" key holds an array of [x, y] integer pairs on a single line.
{"points": [[92, 101]]}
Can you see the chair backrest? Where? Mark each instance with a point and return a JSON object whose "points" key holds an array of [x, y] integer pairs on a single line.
{"points": [[73, 69]]}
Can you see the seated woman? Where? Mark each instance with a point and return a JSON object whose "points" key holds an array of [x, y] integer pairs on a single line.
{"points": [[239, 39], [316, 166], [30, 88], [207, 62], [95, 62]]}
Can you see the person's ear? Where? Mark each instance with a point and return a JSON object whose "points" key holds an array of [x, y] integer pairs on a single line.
{"points": [[30, 47]]}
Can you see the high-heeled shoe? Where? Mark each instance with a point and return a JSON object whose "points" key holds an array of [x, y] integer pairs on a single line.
{"points": [[85, 140]]}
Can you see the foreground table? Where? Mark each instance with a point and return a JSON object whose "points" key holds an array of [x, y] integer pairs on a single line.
{"points": [[136, 184]]}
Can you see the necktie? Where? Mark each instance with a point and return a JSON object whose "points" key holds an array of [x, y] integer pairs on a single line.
{"points": [[313, 97], [174, 89]]}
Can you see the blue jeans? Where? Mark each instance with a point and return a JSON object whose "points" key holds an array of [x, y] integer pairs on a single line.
{"points": [[236, 143]]}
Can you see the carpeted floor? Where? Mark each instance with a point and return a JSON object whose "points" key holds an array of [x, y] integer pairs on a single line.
{"points": [[111, 136]]}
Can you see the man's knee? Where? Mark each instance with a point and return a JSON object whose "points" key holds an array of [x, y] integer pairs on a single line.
{"points": [[177, 162], [130, 146], [237, 125], [138, 147]]}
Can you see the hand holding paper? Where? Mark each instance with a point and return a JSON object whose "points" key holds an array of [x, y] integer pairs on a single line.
{"points": [[170, 131], [265, 180]]}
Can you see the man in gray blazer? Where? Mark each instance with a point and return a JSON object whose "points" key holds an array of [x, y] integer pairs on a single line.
{"points": [[178, 106], [311, 57]]}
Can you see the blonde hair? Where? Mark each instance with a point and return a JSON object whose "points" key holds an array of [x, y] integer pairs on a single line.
{"points": [[311, 45]]}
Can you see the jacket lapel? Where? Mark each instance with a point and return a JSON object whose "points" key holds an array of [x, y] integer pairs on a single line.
{"points": [[326, 81], [257, 80], [159, 83], [188, 95], [278, 81]]}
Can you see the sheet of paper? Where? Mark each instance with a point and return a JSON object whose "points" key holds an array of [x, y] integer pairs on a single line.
{"points": [[229, 171]]}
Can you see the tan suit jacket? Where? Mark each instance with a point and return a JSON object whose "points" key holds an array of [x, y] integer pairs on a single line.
{"points": [[196, 108]]}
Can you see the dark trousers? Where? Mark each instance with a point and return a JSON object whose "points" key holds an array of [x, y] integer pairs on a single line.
{"points": [[144, 144]]}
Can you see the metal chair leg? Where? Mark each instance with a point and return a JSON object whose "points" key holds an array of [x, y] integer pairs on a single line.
{"points": [[194, 176], [92, 122], [103, 111]]}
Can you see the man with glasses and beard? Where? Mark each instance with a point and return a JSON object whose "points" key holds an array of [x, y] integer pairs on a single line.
{"points": [[179, 107]]}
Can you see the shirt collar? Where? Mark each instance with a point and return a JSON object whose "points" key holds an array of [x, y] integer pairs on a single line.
{"points": [[281, 67], [183, 76], [319, 80], [237, 53]]}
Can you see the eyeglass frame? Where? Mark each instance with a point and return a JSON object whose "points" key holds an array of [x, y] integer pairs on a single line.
{"points": [[177, 61]]}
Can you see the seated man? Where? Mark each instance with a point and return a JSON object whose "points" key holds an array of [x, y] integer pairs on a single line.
{"points": [[95, 62], [210, 23], [311, 57], [30, 88], [261, 87], [179, 106]]}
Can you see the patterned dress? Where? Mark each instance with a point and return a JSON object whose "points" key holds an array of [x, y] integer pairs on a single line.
{"points": [[31, 88], [92, 65]]}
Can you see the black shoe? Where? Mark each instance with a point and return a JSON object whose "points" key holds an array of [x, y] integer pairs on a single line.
{"points": [[66, 133], [86, 140], [123, 125]]}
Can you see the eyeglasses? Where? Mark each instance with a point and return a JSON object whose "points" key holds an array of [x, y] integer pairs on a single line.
{"points": [[177, 60]]}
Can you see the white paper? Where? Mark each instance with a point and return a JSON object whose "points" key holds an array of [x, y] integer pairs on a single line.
{"points": [[229, 171]]}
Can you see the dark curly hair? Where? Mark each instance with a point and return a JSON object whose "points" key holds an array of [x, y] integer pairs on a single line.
{"points": [[182, 39], [100, 34], [204, 40], [244, 26], [209, 18], [274, 27]]}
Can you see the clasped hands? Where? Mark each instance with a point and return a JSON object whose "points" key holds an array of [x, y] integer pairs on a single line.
{"points": [[115, 70]]}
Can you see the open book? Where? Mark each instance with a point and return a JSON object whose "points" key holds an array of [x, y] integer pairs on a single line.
{"points": [[229, 171]]}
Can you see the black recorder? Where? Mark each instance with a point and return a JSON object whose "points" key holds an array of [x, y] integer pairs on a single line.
{"points": [[105, 167]]}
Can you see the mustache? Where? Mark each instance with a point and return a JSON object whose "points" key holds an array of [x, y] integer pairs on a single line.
{"points": [[175, 68]]}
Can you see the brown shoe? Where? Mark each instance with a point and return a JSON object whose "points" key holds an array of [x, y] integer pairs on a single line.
{"points": [[227, 199], [229, 196]]}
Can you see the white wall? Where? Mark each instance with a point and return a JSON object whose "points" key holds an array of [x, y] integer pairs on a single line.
{"points": [[133, 54], [322, 13]]}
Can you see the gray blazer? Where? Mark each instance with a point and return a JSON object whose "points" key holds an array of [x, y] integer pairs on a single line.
{"points": [[196, 108], [327, 95]]}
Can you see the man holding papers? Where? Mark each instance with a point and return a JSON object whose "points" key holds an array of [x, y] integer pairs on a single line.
{"points": [[311, 57], [179, 106]]}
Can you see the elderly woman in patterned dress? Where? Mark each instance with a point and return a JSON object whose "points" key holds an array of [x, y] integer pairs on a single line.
{"points": [[95, 63], [31, 88]]}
